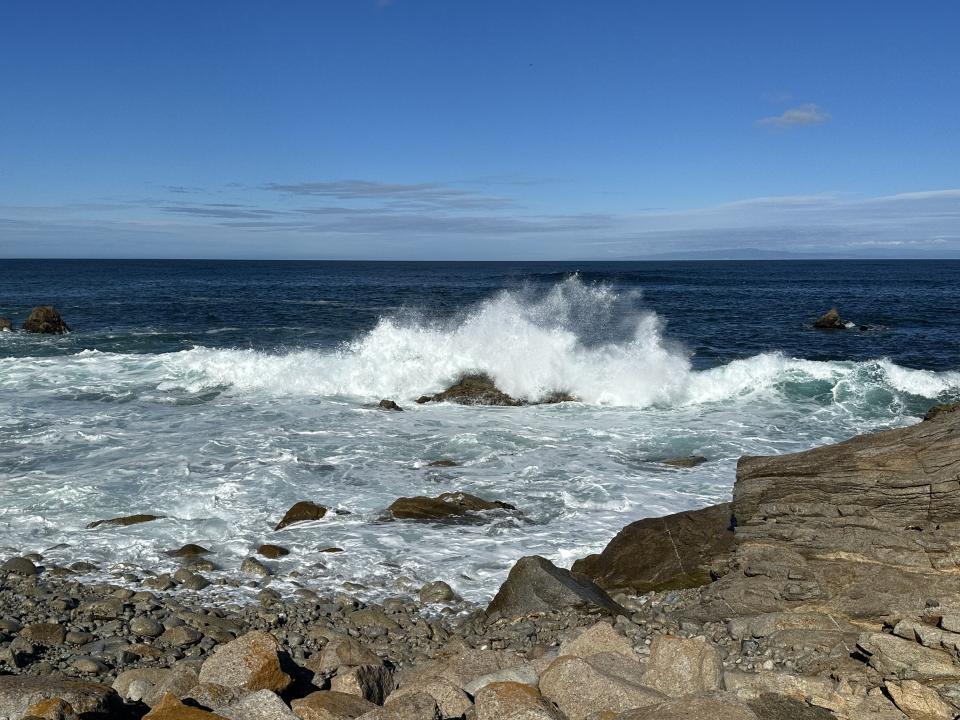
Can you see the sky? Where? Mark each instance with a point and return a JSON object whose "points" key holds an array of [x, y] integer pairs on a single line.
{"points": [[447, 129]]}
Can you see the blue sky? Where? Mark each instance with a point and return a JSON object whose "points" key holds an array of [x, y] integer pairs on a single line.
{"points": [[440, 129]]}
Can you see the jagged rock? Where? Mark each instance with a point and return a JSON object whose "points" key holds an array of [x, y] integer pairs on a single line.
{"points": [[938, 410], [600, 683], [683, 666], [600, 638], [330, 705], [303, 511], [513, 701], [45, 319], [708, 707], [535, 585], [665, 553], [867, 529], [446, 507], [476, 389], [452, 701], [830, 320], [272, 551], [251, 662], [919, 702], [19, 692], [897, 657], [416, 706], [340, 652], [390, 405], [126, 520], [5, 325], [370, 682]]}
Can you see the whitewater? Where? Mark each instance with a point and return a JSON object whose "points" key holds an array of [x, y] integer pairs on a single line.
{"points": [[221, 441]]}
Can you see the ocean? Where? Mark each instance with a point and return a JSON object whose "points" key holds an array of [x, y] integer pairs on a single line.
{"points": [[217, 394]]}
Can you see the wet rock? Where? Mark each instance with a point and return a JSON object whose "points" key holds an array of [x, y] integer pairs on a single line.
{"points": [[684, 462], [437, 592], [919, 702], [443, 462], [513, 701], [272, 551], [329, 705], [252, 566], [390, 405], [303, 511], [5, 325], [126, 520], [830, 320], [18, 566], [665, 553], [447, 507], [536, 585], [45, 319], [476, 389], [251, 662], [683, 666], [188, 551], [601, 683]]}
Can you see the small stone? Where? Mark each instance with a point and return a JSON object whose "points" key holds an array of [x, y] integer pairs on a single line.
{"points": [[252, 566], [437, 592], [181, 636], [144, 626], [272, 551], [88, 665]]}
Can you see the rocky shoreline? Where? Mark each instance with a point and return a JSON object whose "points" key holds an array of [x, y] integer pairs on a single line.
{"points": [[828, 588]]}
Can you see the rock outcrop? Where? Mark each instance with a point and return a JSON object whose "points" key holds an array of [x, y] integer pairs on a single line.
{"points": [[475, 389], [125, 521], [665, 553], [5, 324], [45, 319], [830, 320], [446, 507], [303, 511]]}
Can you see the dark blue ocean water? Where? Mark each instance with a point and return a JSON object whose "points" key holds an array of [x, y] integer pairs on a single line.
{"points": [[718, 310]]}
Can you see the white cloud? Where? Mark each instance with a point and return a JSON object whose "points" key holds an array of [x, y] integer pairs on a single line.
{"points": [[806, 114]]}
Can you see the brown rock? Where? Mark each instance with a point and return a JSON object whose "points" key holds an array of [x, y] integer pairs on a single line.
{"points": [[513, 701], [937, 410], [666, 553], [370, 682], [251, 662], [452, 701], [45, 319], [443, 462], [601, 683], [416, 706], [51, 709], [170, 708], [303, 511], [126, 520], [919, 702], [683, 666], [536, 585], [600, 638], [390, 405], [896, 657], [272, 551], [5, 324], [330, 705], [340, 652], [188, 551], [447, 507], [47, 634], [684, 462], [19, 692], [477, 389], [830, 320], [709, 707]]}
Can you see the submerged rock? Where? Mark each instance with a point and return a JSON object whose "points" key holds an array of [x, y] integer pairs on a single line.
{"points": [[272, 551], [830, 320], [475, 389], [303, 511], [45, 319], [665, 553], [126, 520], [448, 507], [536, 585], [684, 462], [442, 463]]}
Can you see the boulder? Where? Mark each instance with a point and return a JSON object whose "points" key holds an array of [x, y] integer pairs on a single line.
{"points": [[937, 410], [18, 566], [260, 705], [303, 511], [45, 319], [513, 701], [830, 320], [535, 584], [340, 652], [446, 507], [126, 520], [666, 553], [330, 705], [896, 657], [415, 706], [188, 551], [5, 325], [272, 551], [19, 692], [522, 674], [370, 682], [252, 662], [707, 707], [390, 405], [437, 592], [599, 638], [47, 634], [170, 708], [919, 702], [151, 684], [475, 389], [683, 666], [452, 701], [601, 683]]}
